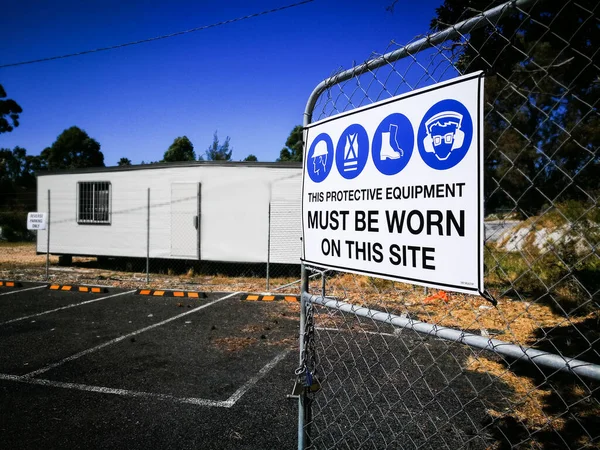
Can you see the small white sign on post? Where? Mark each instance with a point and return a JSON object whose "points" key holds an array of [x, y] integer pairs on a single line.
{"points": [[36, 221], [395, 189]]}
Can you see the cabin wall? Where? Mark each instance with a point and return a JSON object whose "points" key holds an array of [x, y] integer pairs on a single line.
{"points": [[234, 219]]}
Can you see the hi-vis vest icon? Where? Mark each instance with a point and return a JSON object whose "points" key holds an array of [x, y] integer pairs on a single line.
{"points": [[444, 134], [351, 152]]}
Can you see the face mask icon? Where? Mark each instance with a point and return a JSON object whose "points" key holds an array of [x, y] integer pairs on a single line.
{"points": [[443, 134], [319, 157]]}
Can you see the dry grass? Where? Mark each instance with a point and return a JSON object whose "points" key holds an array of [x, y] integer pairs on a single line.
{"points": [[514, 321], [234, 344], [21, 255], [510, 320], [19, 261], [527, 400]]}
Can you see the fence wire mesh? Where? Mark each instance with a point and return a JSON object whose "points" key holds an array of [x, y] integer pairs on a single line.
{"points": [[389, 378]]}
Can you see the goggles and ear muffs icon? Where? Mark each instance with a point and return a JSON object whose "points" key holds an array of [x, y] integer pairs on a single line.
{"points": [[455, 138]]}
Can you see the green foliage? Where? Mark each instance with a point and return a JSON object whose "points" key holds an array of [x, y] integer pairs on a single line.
{"points": [[181, 149], [250, 157], [9, 113], [73, 149], [542, 133], [124, 162], [17, 178], [294, 146], [14, 226], [217, 151]]}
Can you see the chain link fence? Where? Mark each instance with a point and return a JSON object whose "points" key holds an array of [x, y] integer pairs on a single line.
{"points": [[389, 365], [239, 229]]}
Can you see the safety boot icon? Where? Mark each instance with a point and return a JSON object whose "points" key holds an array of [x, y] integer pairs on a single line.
{"points": [[390, 149]]}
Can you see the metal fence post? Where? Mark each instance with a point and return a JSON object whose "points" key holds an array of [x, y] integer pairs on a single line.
{"points": [[268, 246], [148, 239], [48, 241], [303, 397]]}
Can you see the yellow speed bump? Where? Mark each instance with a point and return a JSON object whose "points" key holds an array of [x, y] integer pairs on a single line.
{"points": [[270, 298], [74, 288], [163, 293]]}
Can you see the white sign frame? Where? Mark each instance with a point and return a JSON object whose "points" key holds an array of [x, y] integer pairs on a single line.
{"points": [[458, 255], [36, 221]]}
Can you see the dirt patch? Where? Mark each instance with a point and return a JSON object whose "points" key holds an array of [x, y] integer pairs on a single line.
{"points": [[19, 261], [234, 344]]}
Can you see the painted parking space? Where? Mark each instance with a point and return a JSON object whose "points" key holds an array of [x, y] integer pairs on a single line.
{"points": [[212, 354], [68, 418], [38, 299], [10, 287], [135, 371], [31, 344]]}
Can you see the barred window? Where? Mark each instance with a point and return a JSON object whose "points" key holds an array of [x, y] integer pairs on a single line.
{"points": [[93, 202]]}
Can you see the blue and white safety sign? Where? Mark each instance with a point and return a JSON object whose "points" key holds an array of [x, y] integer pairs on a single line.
{"points": [[395, 189]]}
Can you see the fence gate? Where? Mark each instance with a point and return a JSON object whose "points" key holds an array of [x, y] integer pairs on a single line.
{"points": [[389, 365]]}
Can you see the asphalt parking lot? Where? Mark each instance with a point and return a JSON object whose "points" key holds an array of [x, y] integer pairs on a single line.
{"points": [[120, 370]]}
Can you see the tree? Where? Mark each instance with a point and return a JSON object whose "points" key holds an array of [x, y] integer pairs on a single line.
{"points": [[124, 162], [73, 149], [17, 191], [251, 157], [294, 146], [9, 113], [218, 152], [541, 122], [181, 149]]}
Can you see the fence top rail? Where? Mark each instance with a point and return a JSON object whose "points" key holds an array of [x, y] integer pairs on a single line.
{"points": [[537, 357], [428, 41]]}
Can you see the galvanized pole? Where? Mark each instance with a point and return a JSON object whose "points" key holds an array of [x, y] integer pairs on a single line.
{"points": [[48, 241], [302, 398], [268, 246], [148, 239]]}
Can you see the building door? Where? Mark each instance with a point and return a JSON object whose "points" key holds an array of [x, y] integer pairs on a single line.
{"points": [[185, 220]]}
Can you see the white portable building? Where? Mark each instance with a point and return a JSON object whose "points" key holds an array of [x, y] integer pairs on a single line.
{"points": [[208, 211]]}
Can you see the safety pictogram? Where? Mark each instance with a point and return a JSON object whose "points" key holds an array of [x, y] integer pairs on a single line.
{"points": [[352, 151], [320, 158], [393, 144], [445, 134]]}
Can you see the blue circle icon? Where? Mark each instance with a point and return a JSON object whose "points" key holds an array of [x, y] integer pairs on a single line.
{"points": [[393, 144], [445, 134], [352, 151], [320, 158]]}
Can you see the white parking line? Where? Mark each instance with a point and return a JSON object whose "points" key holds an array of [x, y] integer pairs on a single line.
{"points": [[72, 305], [250, 383], [23, 290], [121, 338], [232, 400]]}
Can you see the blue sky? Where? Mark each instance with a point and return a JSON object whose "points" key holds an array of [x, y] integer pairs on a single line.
{"points": [[249, 80]]}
